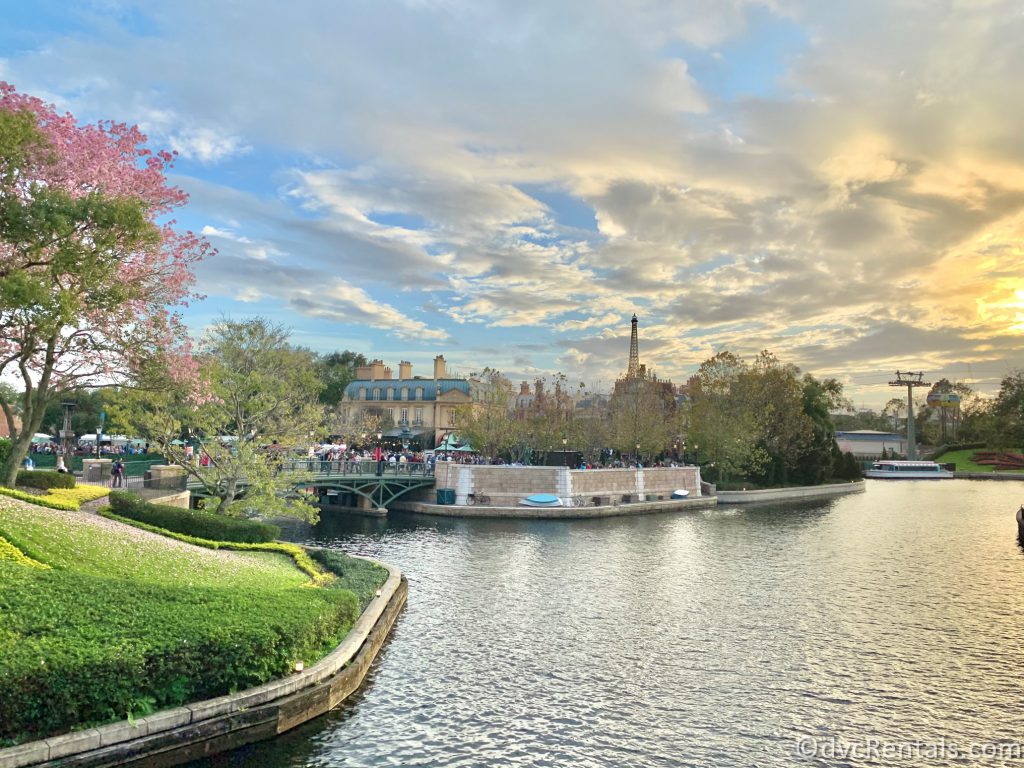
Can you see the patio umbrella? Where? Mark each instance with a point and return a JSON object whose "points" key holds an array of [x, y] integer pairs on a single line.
{"points": [[42, 437]]}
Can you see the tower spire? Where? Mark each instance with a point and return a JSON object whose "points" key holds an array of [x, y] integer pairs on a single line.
{"points": [[633, 371]]}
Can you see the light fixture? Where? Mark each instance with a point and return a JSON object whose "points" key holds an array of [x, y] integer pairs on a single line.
{"points": [[299, 666]]}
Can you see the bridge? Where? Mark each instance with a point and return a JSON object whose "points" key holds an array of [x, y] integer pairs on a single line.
{"points": [[379, 482]]}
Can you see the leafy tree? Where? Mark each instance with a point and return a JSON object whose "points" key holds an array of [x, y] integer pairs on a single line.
{"points": [[86, 271], [820, 400], [89, 404], [336, 371], [721, 421], [642, 413], [261, 399], [488, 424], [1008, 412], [774, 396]]}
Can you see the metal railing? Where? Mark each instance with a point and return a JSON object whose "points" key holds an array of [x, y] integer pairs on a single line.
{"points": [[364, 467]]}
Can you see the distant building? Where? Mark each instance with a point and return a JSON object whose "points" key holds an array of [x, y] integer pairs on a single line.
{"points": [[869, 444], [636, 374], [4, 432], [424, 406]]}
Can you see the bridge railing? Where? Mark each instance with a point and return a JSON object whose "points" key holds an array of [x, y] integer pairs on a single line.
{"points": [[358, 467]]}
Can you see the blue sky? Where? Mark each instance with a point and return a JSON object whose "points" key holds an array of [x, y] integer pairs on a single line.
{"points": [[507, 182]]}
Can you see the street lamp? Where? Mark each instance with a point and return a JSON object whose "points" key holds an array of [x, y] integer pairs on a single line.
{"points": [[67, 436], [565, 459]]}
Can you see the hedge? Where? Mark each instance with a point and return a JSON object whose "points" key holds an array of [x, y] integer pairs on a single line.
{"points": [[67, 499], [12, 554], [79, 650], [44, 480], [192, 522], [361, 576]]}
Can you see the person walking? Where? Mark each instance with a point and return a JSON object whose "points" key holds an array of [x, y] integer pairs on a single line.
{"points": [[117, 474]]}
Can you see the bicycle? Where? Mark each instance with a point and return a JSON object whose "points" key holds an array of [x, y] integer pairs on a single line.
{"points": [[578, 501], [478, 498]]}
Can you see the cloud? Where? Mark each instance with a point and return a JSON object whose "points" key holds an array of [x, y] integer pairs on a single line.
{"points": [[867, 205]]}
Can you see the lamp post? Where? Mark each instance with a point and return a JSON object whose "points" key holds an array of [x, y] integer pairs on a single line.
{"points": [[67, 436], [638, 454], [565, 459]]}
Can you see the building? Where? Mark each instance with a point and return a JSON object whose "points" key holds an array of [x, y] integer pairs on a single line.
{"points": [[869, 444], [637, 375], [421, 409]]}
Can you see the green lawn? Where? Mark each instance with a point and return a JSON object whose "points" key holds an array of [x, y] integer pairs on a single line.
{"points": [[125, 622], [964, 463]]}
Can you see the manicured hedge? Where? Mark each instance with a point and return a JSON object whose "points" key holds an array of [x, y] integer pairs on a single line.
{"points": [[78, 649], [361, 576], [192, 522], [44, 480], [67, 499]]}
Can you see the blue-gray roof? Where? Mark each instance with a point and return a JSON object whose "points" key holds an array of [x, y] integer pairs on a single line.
{"points": [[431, 388]]}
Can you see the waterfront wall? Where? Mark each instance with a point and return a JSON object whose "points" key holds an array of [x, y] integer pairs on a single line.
{"points": [[787, 494], [507, 485], [557, 513], [205, 728]]}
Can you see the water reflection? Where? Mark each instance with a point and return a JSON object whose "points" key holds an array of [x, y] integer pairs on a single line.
{"points": [[719, 637]]}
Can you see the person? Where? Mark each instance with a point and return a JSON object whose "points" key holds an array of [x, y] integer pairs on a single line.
{"points": [[117, 474]]}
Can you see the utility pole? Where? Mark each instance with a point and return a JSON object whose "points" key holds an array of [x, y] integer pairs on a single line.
{"points": [[910, 380]]}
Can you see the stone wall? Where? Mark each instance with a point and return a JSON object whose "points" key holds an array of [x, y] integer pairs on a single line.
{"points": [[507, 485], [782, 494]]}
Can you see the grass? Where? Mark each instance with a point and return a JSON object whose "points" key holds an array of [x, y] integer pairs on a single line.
{"points": [[125, 621], [964, 463]]}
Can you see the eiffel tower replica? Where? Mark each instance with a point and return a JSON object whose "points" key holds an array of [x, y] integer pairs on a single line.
{"points": [[636, 372]]}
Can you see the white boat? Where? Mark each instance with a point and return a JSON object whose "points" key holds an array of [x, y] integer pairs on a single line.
{"points": [[907, 470]]}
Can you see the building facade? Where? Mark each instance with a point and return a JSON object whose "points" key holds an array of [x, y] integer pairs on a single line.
{"points": [[417, 407]]}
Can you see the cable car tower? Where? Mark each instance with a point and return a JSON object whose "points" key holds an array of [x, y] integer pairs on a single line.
{"points": [[910, 380]]}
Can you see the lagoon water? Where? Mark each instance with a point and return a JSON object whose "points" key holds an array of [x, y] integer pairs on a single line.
{"points": [[883, 628]]}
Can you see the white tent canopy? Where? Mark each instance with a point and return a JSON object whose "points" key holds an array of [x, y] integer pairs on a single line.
{"points": [[112, 439]]}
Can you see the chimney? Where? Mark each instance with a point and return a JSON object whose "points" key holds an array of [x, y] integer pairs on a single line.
{"points": [[524, 388], [363, 372], [439, 369], [378, 371], [405, 370]]}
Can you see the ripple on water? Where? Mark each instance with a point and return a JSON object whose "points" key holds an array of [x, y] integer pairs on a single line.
{"points": [[720, 637]]}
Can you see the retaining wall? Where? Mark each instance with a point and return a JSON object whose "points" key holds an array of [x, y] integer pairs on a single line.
{"points": [[782, 494], [507, 485], [205, 728]]}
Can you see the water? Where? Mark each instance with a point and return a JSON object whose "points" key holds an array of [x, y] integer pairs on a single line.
{"points": [[772, 636]]}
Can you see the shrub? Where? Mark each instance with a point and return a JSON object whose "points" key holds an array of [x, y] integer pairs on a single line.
{"points": [[11, 553], [45, 480], [5, 450], [79, 650], [361, 576], [192, 522]]}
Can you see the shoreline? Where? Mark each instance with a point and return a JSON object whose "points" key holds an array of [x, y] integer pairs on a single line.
{"points": [[204, 728]]}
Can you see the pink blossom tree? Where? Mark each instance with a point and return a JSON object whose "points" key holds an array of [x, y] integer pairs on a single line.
{"points": [[92, 268]]}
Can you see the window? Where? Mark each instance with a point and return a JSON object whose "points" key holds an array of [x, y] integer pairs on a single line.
{"points": [[390, 393], [451, 418], [376, 393], [390, 414], [405, 393], [417, 418], [419, 393], [362, 393], [405, 415]]}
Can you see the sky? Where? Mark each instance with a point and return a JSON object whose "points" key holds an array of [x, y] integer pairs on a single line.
{"points": [[506, 183]]}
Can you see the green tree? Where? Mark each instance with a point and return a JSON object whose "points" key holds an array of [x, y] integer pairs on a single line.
{"points": [[642, 412], [488, 424], [336, 371], [261, 399], [721, 421], [1008, 412]]}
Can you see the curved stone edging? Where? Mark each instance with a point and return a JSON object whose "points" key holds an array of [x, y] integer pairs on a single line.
{"points": [[555, 513], [790, 494], [1020, 523], [178, 735]]}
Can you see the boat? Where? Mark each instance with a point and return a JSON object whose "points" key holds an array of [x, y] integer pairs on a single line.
{"points": [[682, 493], [541, 500], [907, 470]]}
